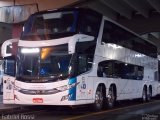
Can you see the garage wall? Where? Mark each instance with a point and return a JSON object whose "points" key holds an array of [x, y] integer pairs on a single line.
{"points": [[8, 31], [42, 4], [5, 32], [6, 3]]}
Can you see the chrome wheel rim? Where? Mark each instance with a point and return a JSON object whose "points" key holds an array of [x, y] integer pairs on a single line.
{"points": [[144, 96], [149, 95], [111, 98], [98, 100]]}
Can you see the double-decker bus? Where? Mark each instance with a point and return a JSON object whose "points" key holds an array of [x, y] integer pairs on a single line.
{"points": [[78, 56]]}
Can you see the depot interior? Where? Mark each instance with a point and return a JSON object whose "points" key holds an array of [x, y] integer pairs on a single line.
{"points": [[140, 16]]}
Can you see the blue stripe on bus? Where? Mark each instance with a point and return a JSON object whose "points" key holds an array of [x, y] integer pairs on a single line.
{"points": [[72, 91]]}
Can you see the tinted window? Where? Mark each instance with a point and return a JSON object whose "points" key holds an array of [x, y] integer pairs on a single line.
{"points": [[84, 63], [9, 67], [88, 47], [114, 34], [117, 69], [50, 25], [90, 23]]}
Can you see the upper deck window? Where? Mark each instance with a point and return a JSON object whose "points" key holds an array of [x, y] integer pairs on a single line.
{"points": [[89, 23], [62, 23], [50, 25], [115, 34]]}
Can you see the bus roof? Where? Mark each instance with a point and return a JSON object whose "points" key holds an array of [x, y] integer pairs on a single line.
{"points": [[91, 10], [66, 9]]}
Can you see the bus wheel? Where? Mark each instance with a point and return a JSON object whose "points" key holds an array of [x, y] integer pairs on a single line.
{"points": [[144, 94], [99, 99], [111, 98], [149, 94]]}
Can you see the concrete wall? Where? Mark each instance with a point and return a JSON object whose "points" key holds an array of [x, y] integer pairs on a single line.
{"points": [[8, 31], [42, 4], [5, 32]]}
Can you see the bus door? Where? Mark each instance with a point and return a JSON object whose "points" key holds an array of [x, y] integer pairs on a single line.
{"points": [[85, 82]]}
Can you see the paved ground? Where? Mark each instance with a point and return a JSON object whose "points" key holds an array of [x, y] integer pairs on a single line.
{"points": [[1, 98], [124, 111], [7, 108]]}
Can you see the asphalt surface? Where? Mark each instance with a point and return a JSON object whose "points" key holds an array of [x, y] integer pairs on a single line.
{"points": [[125, 110]]}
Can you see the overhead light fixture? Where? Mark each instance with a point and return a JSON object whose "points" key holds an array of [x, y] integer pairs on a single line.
{"points": [[114, 46]]}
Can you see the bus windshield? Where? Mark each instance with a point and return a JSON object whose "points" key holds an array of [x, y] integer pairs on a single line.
{"points": [[43, 65], [50, 25]]}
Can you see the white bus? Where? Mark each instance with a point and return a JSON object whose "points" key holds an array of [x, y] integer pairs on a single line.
{"points": [[78, 56]]}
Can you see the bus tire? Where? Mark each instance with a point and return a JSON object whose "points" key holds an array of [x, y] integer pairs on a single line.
{"points": [[149, 94], [144, 94], [99, 99], [111, 98]]}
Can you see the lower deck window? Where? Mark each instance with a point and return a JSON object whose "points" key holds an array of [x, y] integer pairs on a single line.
{"points": [[117, 69]]}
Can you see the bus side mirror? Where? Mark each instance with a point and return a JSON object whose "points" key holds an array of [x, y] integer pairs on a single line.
{"points": [[9, 47], [6, 50]]}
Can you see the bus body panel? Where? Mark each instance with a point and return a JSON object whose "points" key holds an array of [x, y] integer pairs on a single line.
{"points": [[15, 97], [8, 88]]}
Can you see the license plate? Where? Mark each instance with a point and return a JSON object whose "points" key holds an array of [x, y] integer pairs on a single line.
{"points": [[37, 100]]}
